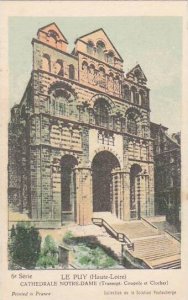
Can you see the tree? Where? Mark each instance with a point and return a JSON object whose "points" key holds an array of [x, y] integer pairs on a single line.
{"points": [[49, 253], [24, 246]]}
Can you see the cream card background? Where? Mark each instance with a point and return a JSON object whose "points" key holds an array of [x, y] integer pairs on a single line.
{"points": [[177, 279]]}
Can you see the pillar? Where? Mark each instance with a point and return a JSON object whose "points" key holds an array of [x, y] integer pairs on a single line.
{"points": [[121, 194], [84, 206]]}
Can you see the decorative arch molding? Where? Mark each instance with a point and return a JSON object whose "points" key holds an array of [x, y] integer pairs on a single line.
{"points": [[108, 149], [100, 97], [135, 111], [143, 169], [62, 85]]}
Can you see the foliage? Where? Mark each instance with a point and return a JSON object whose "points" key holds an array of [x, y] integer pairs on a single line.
{"points": [[93, 257], [24, 245], [68, 238], [49, 254]]}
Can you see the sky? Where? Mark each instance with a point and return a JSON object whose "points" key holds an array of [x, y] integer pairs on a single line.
{"points": [[153, 42]]}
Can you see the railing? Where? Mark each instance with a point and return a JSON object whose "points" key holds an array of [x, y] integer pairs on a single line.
{"points": [[172, 237], [149, 223], [121, 237]]}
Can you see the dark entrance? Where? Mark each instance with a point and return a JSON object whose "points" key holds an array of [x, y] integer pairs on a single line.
{"points": [[103, 164], [68, 190]]}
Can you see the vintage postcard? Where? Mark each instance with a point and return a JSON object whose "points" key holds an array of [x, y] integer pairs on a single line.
{"points": [[93, 142]]}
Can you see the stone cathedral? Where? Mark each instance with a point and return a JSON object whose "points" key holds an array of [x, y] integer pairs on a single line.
{"points": [[79, 140]]}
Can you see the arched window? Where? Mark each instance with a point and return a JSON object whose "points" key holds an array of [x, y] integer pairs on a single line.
{"points": [[143, 98], [53, 34], [134, 96], [126, 93], [60, 103], [90, 48], [84, 71], [102, 113], [46, 64], [92, 74], [111, 82], [102, 79], [111, 58], [59, 67], [131, 124], [71, 72], [100, 50], [116, 84]]}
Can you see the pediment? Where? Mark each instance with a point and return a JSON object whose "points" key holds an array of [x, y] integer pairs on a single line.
{"points": [[137, 72], [53, 29], [100, 35]]}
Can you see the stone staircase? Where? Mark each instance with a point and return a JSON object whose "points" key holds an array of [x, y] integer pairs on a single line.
{"points": [[158, 249], [159, 252]]}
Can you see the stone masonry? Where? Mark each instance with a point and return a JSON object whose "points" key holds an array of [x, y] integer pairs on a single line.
{"points": [[79, 141]]}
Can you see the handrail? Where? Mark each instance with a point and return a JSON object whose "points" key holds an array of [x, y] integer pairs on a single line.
{"points": [[149, 223], [172, 236], [115, 233]]}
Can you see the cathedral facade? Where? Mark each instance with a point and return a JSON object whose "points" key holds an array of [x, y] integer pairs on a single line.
{"points": [[79, 141]]}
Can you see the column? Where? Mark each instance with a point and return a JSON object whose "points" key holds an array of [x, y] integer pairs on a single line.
{"points": [[84, 206], [121, 194], [125, 186]]}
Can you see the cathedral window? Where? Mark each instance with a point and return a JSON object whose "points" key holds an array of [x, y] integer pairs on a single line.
{"points": [[102, 78], [110, 58], [126, 92], [131, 124], [116, 85], [71, 72], [46, 63], [53, 34], [101, 114], [59, 67], [134, 95], [90, 48], [85, 71], [92, 74], [111, 82], [100, 50], [142, 101]]}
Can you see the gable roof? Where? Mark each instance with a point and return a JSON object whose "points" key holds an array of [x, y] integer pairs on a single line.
{"points": [[53, 26], [137, 67], [106, 36]]}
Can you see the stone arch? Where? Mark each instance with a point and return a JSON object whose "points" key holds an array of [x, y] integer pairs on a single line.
{"points": [[92, 73], [90, 47], [126, 92], [101, 96], [101, 76], [133, 118], [62, 85], [59, 67], [102, 111], [46, 63], [110, 57], [134, 95], [111, 81], [109, 149], [62, 99], [71, 71], [103, 164], [100, 49], [142, 98]]}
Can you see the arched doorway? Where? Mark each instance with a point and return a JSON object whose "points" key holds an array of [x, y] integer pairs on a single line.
{"points": [[68, 190], [135, 208], [103, 164]]}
